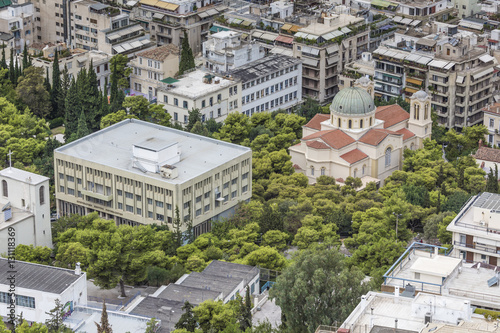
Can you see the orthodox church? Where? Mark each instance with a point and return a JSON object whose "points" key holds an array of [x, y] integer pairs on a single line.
{"points": [[359, 139]]}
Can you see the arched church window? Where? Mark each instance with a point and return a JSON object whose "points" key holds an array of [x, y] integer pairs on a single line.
{"points": [[323, 171], [361, 123], [350, 123], [388, 153], [416, 115], [426, 111], [312, 170], [340, 123], [5, 189]]}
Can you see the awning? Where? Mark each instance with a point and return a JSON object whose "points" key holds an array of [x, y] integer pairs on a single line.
{"points": [[460, 79], [415, 23], [406, 21], [149, 2], [410, 90], [269, 37], [246, 23], [310, 50], [483, 73], [212, 12], [294, 28], [345, 30], [113, 36], [169, 80], [286, 26], [438, 63], [203, 15], [332, 60], [257, 34], [450, 65], [397, 18], [414, 81], [486, 58], [284, 39], [332, 49], [118, 49], [237, 21], [167, 5], [158, 16], [393, 76], [426, 42], [300, 34], [310, 62]]}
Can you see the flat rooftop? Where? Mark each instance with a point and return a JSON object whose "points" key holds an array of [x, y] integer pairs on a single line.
{"points": [[342, 20], [438, 265], [120, 322], [24, 176], [225, 285], [229, 269], [168, 311], [263, 67], [18, 215], [112, 147], [38, 277], [182, 293], [193, 87]]}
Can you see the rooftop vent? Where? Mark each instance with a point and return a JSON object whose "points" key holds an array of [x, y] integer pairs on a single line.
{"points": [[169, 171], [154, 154]]}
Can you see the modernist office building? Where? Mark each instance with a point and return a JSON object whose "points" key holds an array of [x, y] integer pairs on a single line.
{"points": [[137, 172]]}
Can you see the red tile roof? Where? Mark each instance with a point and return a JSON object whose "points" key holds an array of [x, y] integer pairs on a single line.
{"points": [[406, 133], [334, 138], [296, 166], [391, 114], [375, 136], [317, 145], [340, 180], [488, 154], [354, 156], [316, 121], [492, 109]]}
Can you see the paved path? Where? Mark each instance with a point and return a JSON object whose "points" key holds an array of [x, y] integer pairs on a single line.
{"points": [[270, 312]]}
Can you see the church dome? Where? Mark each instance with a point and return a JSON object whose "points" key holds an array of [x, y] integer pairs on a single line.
{"points": [[421, 95], [352, 101]]}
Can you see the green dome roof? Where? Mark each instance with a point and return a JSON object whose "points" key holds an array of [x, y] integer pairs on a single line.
{"points": [[352, 101]]}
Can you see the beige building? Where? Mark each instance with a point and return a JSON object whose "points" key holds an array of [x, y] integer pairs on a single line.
{"points": [[325, 48], [96, 26], [214, 96], [152, 66], [20, 21], [491, 119], [75, 61], [136, 172], [167, 21], [52, 20], [25, 209], [476, 230], [365, 66], [360, 140]]}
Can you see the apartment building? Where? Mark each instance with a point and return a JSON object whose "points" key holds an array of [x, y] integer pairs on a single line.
{"points": [[96, 26], [225, 51], [365, 66], [476, 230], [19, 20], [52, 18], [152, 66], [136, 172], [422, 10], [467, 8], [74, 60], [491, 119], [7, 41], [325, 48], [269, 84], [167, 21], [215, 97]]}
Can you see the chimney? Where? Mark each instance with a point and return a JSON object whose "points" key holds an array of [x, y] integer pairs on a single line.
{"points": [[468, 311], [395, 325], [78, 270], [396, 291]]}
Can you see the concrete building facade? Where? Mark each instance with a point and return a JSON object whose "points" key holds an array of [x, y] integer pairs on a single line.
{"points": [[19, 19], [213, 96], [135, 172], [269, 84], [25, 203]]}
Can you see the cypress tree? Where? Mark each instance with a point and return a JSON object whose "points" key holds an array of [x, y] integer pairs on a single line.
{"points": [[114, 84], [104, 327], [246, 312], [12, 70], [72, 109], [82, 129], [26, 62], [46, 82], [3, 63], [18, 71], [55, 92], [187, 58], [93, 100], [104, 103]]}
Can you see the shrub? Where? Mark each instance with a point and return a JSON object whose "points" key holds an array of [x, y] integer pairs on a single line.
{"points": [[56, 122]]}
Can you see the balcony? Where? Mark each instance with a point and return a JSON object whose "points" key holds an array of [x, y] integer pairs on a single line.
{"points": [[100, 196], [477, 246]]}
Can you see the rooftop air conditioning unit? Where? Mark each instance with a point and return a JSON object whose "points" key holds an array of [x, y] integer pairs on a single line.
{"points": [[482, 223], [169, 171]]}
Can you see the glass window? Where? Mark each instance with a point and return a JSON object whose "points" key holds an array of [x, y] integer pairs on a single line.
{"points": [[5, 188], [388, 153], [159, 204]]}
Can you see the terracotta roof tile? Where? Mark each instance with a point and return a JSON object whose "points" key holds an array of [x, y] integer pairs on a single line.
{"points": [[391, 114], [354, 156], [488, 154], [316, 121], [161, 52], [406, 133], [317, 145], [375, 136], [297, 167], [334, 138], [492, 109], [340, 180]]}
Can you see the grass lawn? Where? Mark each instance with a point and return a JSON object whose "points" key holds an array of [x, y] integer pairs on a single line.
{"points": [[58, 130]]}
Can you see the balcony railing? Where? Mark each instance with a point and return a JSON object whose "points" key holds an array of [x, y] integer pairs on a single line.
{"points": [[477, 246], [478, 227]]}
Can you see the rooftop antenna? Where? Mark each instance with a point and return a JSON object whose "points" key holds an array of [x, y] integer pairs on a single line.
{"points": [[10, 159]]}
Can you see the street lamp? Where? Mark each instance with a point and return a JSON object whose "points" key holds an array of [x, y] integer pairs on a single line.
{"points": [[397, 223]]}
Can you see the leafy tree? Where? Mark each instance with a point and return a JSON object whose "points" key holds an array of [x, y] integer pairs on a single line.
{"points": [[104, 326], [119, 80], [24, 327], [82, 129], [177, 225], [152, 326], [193, 118], [32, 92], [455, 201], [246, 312], [92, 100], [56, 92], [214, 316], [156, 275], [271, 219], [188, 319], [26, 60], [317, 289], [432, 224], [266, 257], [187, 59], [113, 118], [492, 181], [3, 62], [12, 69], [137, 106], [30, 253], [235, 129], [309, 108], [55, 322], [276, 239]]}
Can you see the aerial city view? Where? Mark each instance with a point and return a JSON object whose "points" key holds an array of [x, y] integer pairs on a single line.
{"points": [[249, 166]]}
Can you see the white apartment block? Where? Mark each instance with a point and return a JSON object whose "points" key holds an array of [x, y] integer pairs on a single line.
{"points": [[20, 21], [269, 84], [25, 203], [281, 9], [96, 26], [37, 287], [214, 96], [75, 62], [151, 67], [225, 51], [476, 230], [136, 172]]}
